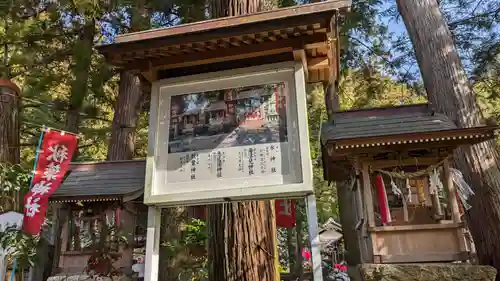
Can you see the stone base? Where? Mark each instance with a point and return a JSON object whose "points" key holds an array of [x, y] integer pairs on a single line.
{"points": [[425, 272]]}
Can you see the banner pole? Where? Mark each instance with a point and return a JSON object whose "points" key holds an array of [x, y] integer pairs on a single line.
{"points": [[37, 155], [14, 267]]}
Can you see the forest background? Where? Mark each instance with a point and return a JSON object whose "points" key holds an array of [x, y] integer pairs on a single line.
{"points": [[48, 49]]}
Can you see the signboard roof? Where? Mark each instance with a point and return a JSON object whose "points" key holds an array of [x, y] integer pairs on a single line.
{"points": [[269, 33]]}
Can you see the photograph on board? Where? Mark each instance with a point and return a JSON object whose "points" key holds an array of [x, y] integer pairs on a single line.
{"points": [[228, 118]]}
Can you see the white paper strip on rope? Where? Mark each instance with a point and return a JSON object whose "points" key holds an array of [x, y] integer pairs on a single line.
{"points": [[435, 182], [464, 190]]}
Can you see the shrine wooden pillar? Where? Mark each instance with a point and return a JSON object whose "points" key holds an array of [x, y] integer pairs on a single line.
{"points": [[368, 195]]}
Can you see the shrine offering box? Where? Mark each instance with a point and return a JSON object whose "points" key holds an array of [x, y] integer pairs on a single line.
{"points": [[230, 135]]}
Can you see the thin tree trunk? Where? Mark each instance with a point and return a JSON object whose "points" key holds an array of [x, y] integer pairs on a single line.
{"points": [[9, 129], [348, 221], [241, 242], [449, 93], [9, 141]]}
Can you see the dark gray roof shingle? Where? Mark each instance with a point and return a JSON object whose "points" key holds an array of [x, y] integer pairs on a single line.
{"points": [[111, 178], [384, 122]]}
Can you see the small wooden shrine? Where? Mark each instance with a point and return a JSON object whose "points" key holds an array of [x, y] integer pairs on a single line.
{"points": [[408, 200]]}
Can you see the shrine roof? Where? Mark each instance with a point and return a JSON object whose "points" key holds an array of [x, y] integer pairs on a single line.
{"points": [[291, 27], [102, 181], [381, 126], [384, 121]]}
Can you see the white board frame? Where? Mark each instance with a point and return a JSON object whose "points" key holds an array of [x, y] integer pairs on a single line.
{"points": [[291, 73]]}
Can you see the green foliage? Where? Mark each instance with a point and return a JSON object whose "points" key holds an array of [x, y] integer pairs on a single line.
{"points": [[13, 178], [193, 239], [14, 181], [286, 3], [23, 246], [366, 88], [195, 233], [325, 194]]}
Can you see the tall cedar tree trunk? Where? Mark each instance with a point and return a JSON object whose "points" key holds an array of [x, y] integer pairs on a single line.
{"points": [[128, 107], [241, 243], [449, 93], [130, 99], [82, 56], [9, 142]]}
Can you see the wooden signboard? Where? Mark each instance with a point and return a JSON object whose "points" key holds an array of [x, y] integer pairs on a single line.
{"points": [[231, 135]]}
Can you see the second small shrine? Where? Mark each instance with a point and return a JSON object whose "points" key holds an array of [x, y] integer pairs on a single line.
{"points": [[407, 199]]}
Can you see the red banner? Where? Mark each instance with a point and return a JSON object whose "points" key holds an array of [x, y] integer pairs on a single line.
{"points": [[285, 213], [54, 157]]}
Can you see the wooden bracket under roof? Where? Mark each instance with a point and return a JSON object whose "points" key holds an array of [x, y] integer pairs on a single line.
{"points": [[308, 33]]}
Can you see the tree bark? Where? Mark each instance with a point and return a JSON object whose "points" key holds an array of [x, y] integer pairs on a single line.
{"points": [[241, 242], [241, 245], [449, 93], [348, 221], [230, 8], [132, 91], [127, 109], [9, 138], [9, 129]]}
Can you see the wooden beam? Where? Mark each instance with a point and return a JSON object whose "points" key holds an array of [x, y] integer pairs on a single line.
{"points": [[300, 56], [317, 45], [234, 53], [431, 257], [442, 138], [410, 228], [331, 96], [224, 65], [317, 63], [175, 62], [421, 161]]}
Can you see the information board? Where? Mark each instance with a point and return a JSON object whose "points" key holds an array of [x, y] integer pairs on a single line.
{"points": [[229, 136]]}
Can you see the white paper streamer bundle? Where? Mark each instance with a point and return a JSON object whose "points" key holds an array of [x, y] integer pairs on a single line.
{"points": [[464, 190], [435, 184]]}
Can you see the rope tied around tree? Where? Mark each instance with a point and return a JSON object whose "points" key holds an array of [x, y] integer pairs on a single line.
{"points": [[419, 173]]}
